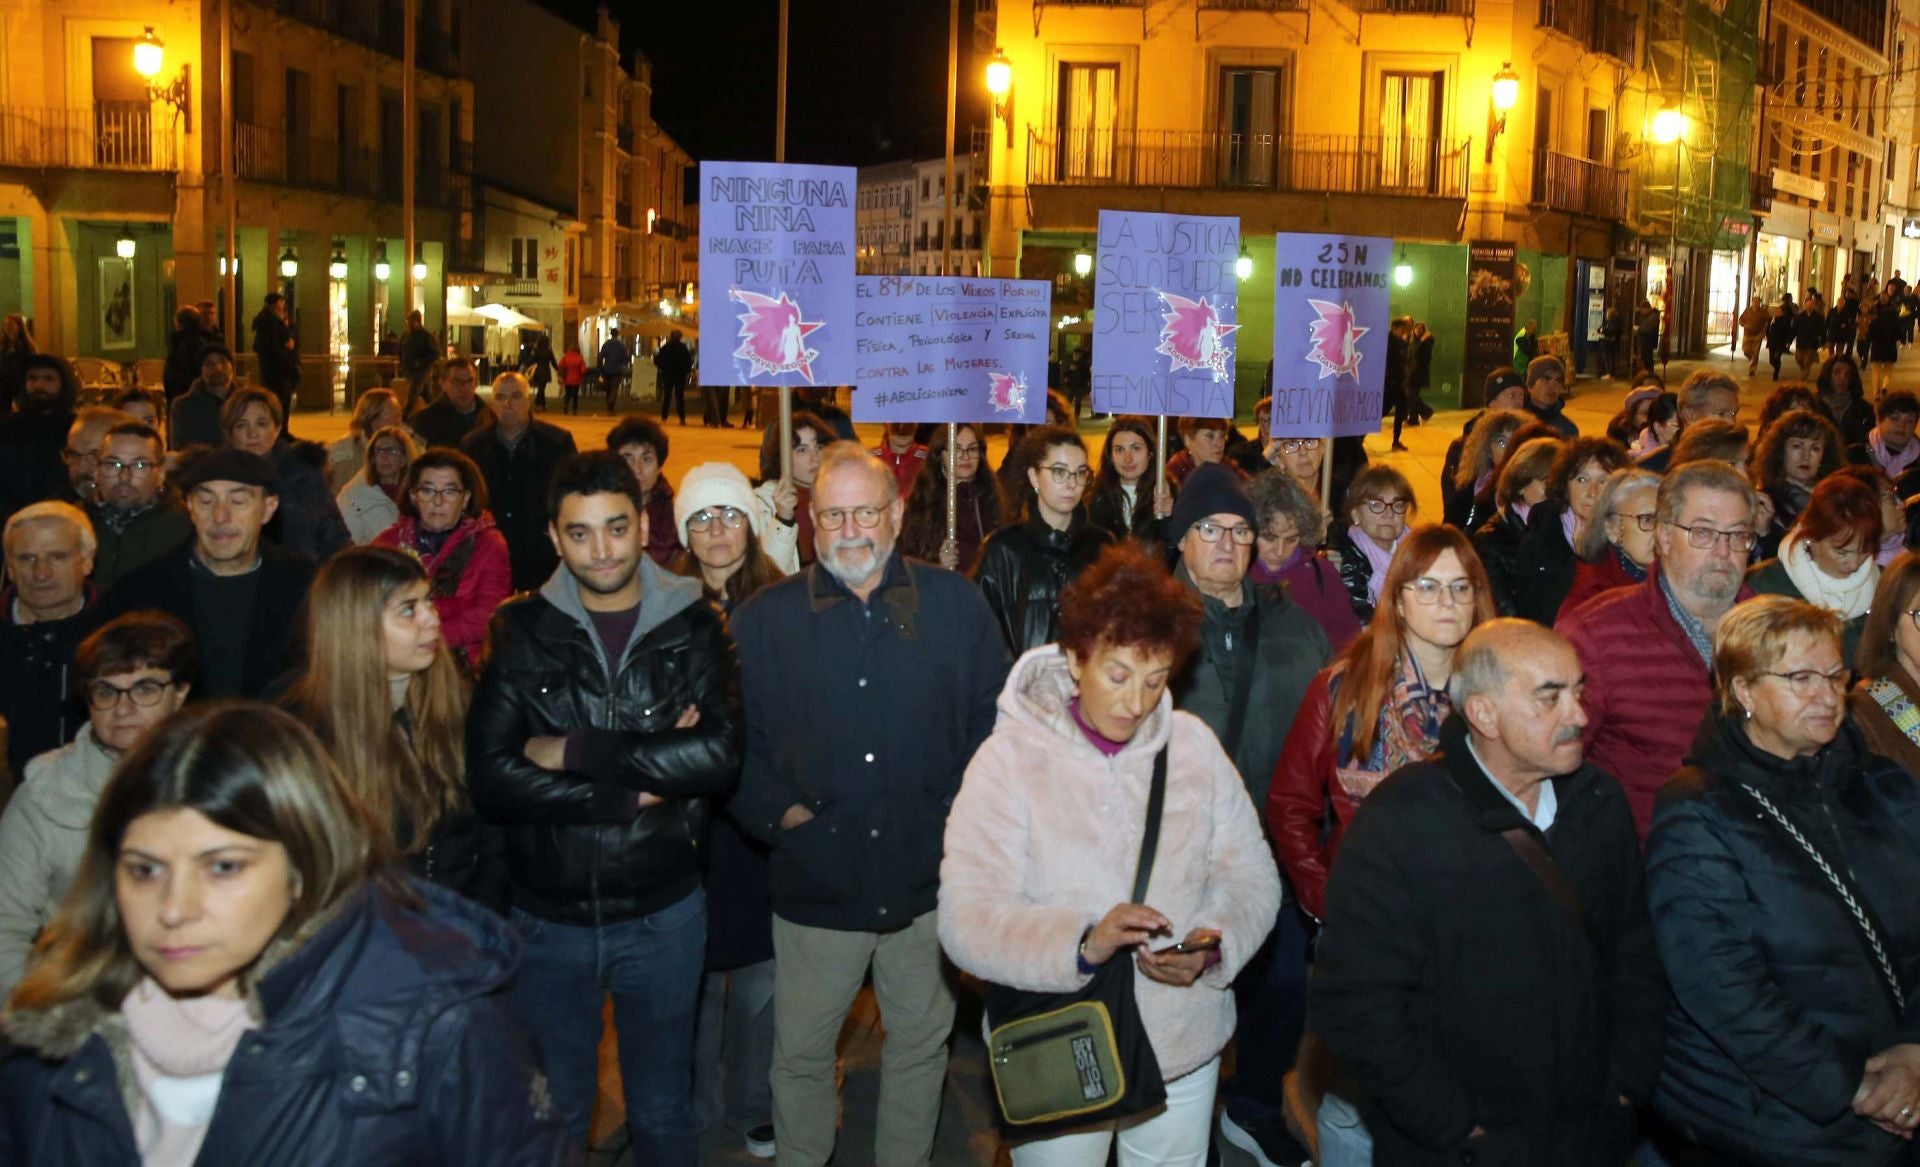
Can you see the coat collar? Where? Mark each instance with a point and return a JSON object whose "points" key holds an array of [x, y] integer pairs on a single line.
{"points": [[1491, 809], [898, 589]]}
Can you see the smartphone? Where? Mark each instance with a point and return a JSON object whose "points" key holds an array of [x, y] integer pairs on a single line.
{"points": [[1198, 944]]}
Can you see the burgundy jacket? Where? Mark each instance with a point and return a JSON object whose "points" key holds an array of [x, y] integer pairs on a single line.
{"points": [[1591, 579], [1304, 783]]}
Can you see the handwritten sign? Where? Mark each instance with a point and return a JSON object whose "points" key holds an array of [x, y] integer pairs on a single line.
{"points": [[1166, 307], [947, 348], [1330, 321], [776, 274]]}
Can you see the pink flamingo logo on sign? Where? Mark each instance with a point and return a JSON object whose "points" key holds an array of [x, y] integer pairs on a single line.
{"points": [[1007, 392], [773, 334], [1194, 337], [1334, 339]]}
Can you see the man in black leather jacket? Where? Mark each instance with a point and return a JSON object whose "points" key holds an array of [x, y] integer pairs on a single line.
{"points": [[608, 714]]}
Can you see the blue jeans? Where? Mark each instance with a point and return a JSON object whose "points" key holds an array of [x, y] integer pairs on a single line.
{"points": [[651, 966], [1344, 1138]]}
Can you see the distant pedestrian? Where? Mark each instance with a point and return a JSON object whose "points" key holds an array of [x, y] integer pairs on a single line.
{"points": [[419, 352], [1753, 329], [1646, 327], [278, 349], [616, 361], [1780, 334], [674, 364], [538, 368], [573, 370]]}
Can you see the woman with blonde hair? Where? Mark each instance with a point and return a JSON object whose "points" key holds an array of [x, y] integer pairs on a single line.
{"points": [[376, 410], [387, 699], [240, 976], [370, 501]]}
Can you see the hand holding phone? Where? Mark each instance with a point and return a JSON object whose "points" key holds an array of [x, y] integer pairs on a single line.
{"points": [[1205, 942]]}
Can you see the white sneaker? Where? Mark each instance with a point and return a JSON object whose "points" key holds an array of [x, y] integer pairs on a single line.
{"points": [[760, 1141]]}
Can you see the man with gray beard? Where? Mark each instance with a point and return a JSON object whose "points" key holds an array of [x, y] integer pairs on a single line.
{"points": [[1647, 648], [868, 683]]}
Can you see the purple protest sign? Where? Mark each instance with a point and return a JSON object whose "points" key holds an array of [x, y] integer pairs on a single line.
{"points": [[1166, 307], [776, 274], [947, 348], [1329, 334]]}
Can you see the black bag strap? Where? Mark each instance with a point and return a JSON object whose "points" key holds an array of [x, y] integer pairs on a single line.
{"points": [[1243, 678], [1156, 801], [1535, 857], [1850, 897]]}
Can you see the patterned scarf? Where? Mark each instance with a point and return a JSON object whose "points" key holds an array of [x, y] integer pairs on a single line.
{"points": [[1409, 731], [1898, 707]]}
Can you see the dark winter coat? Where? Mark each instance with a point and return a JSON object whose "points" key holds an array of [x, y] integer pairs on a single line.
{"points": [[517, 478], [1356, 570], [279, 363], [273, 629], [1546, 566], [865, 713], [578, 849], [674, 364], [442, 424], [1023, 568], [1780, 332], [31, 468], [1456, 989], [1499, 543], [138, 541], [183, 360], [35, 691], [385, 1042], [193, 419], [1107, 509], [1554, 415], [1855, 420], [308, 521], [1884, 334], [1777, 1001], [1809, 329]]}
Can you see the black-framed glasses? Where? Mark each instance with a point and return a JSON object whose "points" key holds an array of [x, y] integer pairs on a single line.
{"points": [[145, 694], [1428, 590], [834, 518], [1380, 506], [1645, 520], [1064, 474], [1811, 682], [139, 467], [429, 493], [1297, 445], [967, 451], [1700, 538], [732, 518], [1210, 532]]}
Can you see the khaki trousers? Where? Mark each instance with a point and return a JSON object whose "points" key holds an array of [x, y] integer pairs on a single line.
{"points": [[817, 974]]}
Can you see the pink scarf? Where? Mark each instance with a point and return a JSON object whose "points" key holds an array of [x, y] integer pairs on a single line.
{"points": [[180, 1048], [1377, 559], [1892, 463]]}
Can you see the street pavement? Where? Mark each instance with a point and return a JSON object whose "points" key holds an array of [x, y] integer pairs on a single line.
{"points": [[967, 1136]]}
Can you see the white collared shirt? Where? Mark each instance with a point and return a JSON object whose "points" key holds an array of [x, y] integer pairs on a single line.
{"points": [[1545, 807]]}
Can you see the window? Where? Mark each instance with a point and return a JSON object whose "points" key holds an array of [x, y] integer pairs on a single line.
{"points": [[1249, 126], [523, 261], [1088, 110], [569, 266], [1542, 140], [1411, 105]]}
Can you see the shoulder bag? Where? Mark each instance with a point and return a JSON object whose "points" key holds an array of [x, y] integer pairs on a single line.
{"points": [[1066, 1060]]}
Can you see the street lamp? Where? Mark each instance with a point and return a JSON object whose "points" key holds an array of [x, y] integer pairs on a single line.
{"points": [[223, 264], [123, 246], [1669, 126], [289, 263], [1082, 263], [337, 266], [1243, 267], [1505, 95], [1403, 274], [381, 268], [1000, 85], [419, 267], [149, 58]]}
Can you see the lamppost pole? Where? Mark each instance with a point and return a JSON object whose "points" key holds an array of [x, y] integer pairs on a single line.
{"points": [[410, 33], [946, 249], [230, 319], [780, 155]]}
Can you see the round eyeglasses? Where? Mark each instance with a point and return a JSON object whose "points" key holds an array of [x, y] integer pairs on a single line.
{"points": [[729, 517]]}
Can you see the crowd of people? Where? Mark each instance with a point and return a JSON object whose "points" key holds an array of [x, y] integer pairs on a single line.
{"points": [[362, 783]]}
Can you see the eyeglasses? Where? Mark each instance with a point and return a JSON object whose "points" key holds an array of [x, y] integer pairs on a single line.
{"points": [[1809, 683], [730, 518], [834, 518], [1210, 532], [972, 451], [1645, 520], [430, 493], [1428, 590], [392, 451], [1380, 506], [1296, 445], [1063, 474], [138, 468], [145, 694], [1701, 538]]}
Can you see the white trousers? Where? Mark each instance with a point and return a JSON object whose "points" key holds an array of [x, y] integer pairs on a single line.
{"points": [[1174, 1137]]}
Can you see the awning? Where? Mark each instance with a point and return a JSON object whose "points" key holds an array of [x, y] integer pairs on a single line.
{"points": [[467, 320], [505, 317], [481, 279], [659, 327]]}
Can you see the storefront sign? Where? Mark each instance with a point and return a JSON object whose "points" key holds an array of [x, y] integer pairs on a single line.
{"points": [[1910, 229], [948, 349], [1166, 308], [1492, 286], [1787, 182], [1330, 322], [776, 273]]}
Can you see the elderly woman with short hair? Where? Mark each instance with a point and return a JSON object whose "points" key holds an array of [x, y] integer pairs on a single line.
{"points": [[1035, 886], [1289, 526], [1780, 873], [1616, 549]]}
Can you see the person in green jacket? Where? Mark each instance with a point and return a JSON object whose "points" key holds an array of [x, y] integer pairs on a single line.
{"points": [[136, 516]]}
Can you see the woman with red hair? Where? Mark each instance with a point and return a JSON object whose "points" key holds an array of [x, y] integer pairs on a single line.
{"points": [[1828, 558]]}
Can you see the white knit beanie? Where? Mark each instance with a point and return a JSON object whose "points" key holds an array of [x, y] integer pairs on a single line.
{"points": [[714, 484]]}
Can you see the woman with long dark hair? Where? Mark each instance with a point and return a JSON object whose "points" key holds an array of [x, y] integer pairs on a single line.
{"points": [[790, 500], [1023, 566], [1548, 558], [1124, 500], [978, 510]]}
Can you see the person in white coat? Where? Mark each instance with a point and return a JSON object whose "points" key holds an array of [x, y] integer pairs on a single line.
{"points": [[370, 501]]}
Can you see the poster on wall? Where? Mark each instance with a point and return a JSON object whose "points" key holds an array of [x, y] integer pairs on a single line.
{"points": [[951, 349], [1166, 307], [116, 303], [1330, 322], [1493, 287], [776, 274]]}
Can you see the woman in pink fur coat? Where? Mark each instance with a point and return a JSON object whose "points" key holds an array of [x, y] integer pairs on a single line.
{"points": [[1043, 838]]}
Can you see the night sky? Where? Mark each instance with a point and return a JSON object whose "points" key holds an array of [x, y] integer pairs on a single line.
{"points": [[867, 79]]}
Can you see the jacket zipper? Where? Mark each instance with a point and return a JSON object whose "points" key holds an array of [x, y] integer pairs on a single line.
{"points": [[1021, 1043]]}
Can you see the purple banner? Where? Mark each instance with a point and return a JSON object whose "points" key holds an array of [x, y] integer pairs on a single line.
{"points": [[776, 274], [1166, 308], [948, 348], [1329, 334]]}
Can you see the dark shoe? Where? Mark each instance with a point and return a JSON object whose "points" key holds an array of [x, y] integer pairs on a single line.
{"points": [[1400, 447], [1270, 1146], [760, 1141]]}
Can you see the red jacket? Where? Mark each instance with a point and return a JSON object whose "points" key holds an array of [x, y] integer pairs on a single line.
{"points": [[1304, 781], [1591, 579], [905, 467], [1647, 689], [486, 580]]}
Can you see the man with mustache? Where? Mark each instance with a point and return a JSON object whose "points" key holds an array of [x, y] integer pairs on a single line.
{"points": [[1647, 648], [869, 681], [1486, 970]]}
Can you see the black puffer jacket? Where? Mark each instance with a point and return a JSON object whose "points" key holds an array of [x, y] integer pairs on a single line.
{"points": [[1498, 543], [1546, 566], [1777, 1002], [385, 1042], [1356, 570], [1107, 509], [577, 849], [1023, 568]]}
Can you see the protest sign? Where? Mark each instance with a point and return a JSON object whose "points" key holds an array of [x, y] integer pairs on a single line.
{"points": [[1166, 304], [949, 348], [776, 274], [1329, 334]]}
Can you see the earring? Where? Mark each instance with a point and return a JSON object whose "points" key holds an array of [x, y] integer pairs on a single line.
{"points": [[1748, 711]]}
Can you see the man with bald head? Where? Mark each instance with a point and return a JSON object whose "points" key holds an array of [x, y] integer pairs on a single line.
{"points": [[868, 682], [1486, 972]]}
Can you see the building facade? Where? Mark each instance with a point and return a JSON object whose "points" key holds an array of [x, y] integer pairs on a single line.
{"points": [[884, 219], [930, 252]]}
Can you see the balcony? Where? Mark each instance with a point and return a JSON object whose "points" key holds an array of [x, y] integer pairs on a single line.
{"points": [[1601, 27], [1204, 160], [1413, 7], [107, 135], [1253, 5], [1581, 187], [378, 27], [1864, 20]]}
